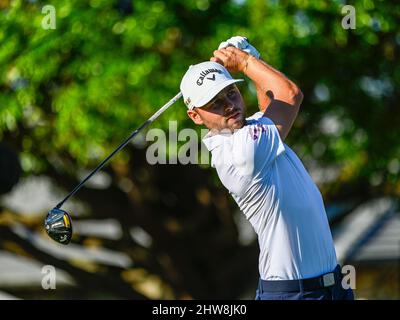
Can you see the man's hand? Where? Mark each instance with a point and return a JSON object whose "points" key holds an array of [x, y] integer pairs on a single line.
{"points": [[233, 59]]}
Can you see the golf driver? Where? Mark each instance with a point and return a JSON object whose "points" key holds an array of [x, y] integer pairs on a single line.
{"points": [[58, 223]]}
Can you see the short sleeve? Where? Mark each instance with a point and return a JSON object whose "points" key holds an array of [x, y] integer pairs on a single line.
{"points": [[256, 146]]}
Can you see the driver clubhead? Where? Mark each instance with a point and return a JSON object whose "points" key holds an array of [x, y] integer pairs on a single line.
{"points": [[58, 224]]}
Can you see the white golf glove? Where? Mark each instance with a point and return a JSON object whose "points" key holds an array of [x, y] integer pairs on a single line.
{"points": [[241, 43]]}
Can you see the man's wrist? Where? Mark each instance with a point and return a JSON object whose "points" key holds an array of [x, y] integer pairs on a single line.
{"points": [[246, 64]]}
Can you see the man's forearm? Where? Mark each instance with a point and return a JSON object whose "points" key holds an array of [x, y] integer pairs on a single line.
{"points": [[271, 84], [279, 98]]}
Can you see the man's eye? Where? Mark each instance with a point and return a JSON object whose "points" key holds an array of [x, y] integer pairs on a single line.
{"points": [[216, 104], [232, 93]]}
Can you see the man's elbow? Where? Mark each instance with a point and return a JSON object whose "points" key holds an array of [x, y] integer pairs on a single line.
{"points": [[296, 96]]}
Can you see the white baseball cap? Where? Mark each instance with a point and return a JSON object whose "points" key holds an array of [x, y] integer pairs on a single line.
{"points": [[203, 81]]}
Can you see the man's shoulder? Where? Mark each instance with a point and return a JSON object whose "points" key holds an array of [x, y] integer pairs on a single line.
{"points": [[255, 116]]}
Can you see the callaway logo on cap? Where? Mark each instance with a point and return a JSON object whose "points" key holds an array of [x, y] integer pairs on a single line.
{"points": [[203, 81]]}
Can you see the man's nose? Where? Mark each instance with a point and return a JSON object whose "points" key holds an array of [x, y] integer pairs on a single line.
{"points": [[228, 106]]}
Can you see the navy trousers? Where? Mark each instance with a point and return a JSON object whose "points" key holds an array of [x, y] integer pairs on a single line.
{"points": [[335, 292]]}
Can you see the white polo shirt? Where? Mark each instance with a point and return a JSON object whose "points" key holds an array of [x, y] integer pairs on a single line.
{"points": [[277, 195]]}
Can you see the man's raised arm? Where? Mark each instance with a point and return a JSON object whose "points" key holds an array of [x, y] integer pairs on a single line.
{"points": [[278, 97]]}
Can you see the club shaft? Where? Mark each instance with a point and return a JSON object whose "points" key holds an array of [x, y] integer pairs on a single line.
{"points": [[122, 145]]}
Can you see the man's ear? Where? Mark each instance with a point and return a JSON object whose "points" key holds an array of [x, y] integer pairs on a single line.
{"points": [[195, 117]]}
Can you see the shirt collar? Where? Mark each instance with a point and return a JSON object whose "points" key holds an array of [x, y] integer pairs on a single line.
{"points": [[213, 140]]}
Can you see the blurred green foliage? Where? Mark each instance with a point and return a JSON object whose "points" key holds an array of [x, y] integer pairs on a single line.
{"points": [[70, 95]]}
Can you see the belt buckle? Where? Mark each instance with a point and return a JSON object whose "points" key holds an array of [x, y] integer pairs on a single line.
{"points": [[328, 279]]}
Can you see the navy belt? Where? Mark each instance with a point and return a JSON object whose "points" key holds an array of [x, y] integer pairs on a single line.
{"points": [[311, 284]]}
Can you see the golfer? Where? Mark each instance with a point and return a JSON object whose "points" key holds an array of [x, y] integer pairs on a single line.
{"points": [[264, 176]]}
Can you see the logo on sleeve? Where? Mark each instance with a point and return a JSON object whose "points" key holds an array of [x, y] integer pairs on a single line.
{"points": [[256, 131]]}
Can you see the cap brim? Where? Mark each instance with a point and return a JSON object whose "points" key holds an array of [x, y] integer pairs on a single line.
{"points": [[214, 91]]}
